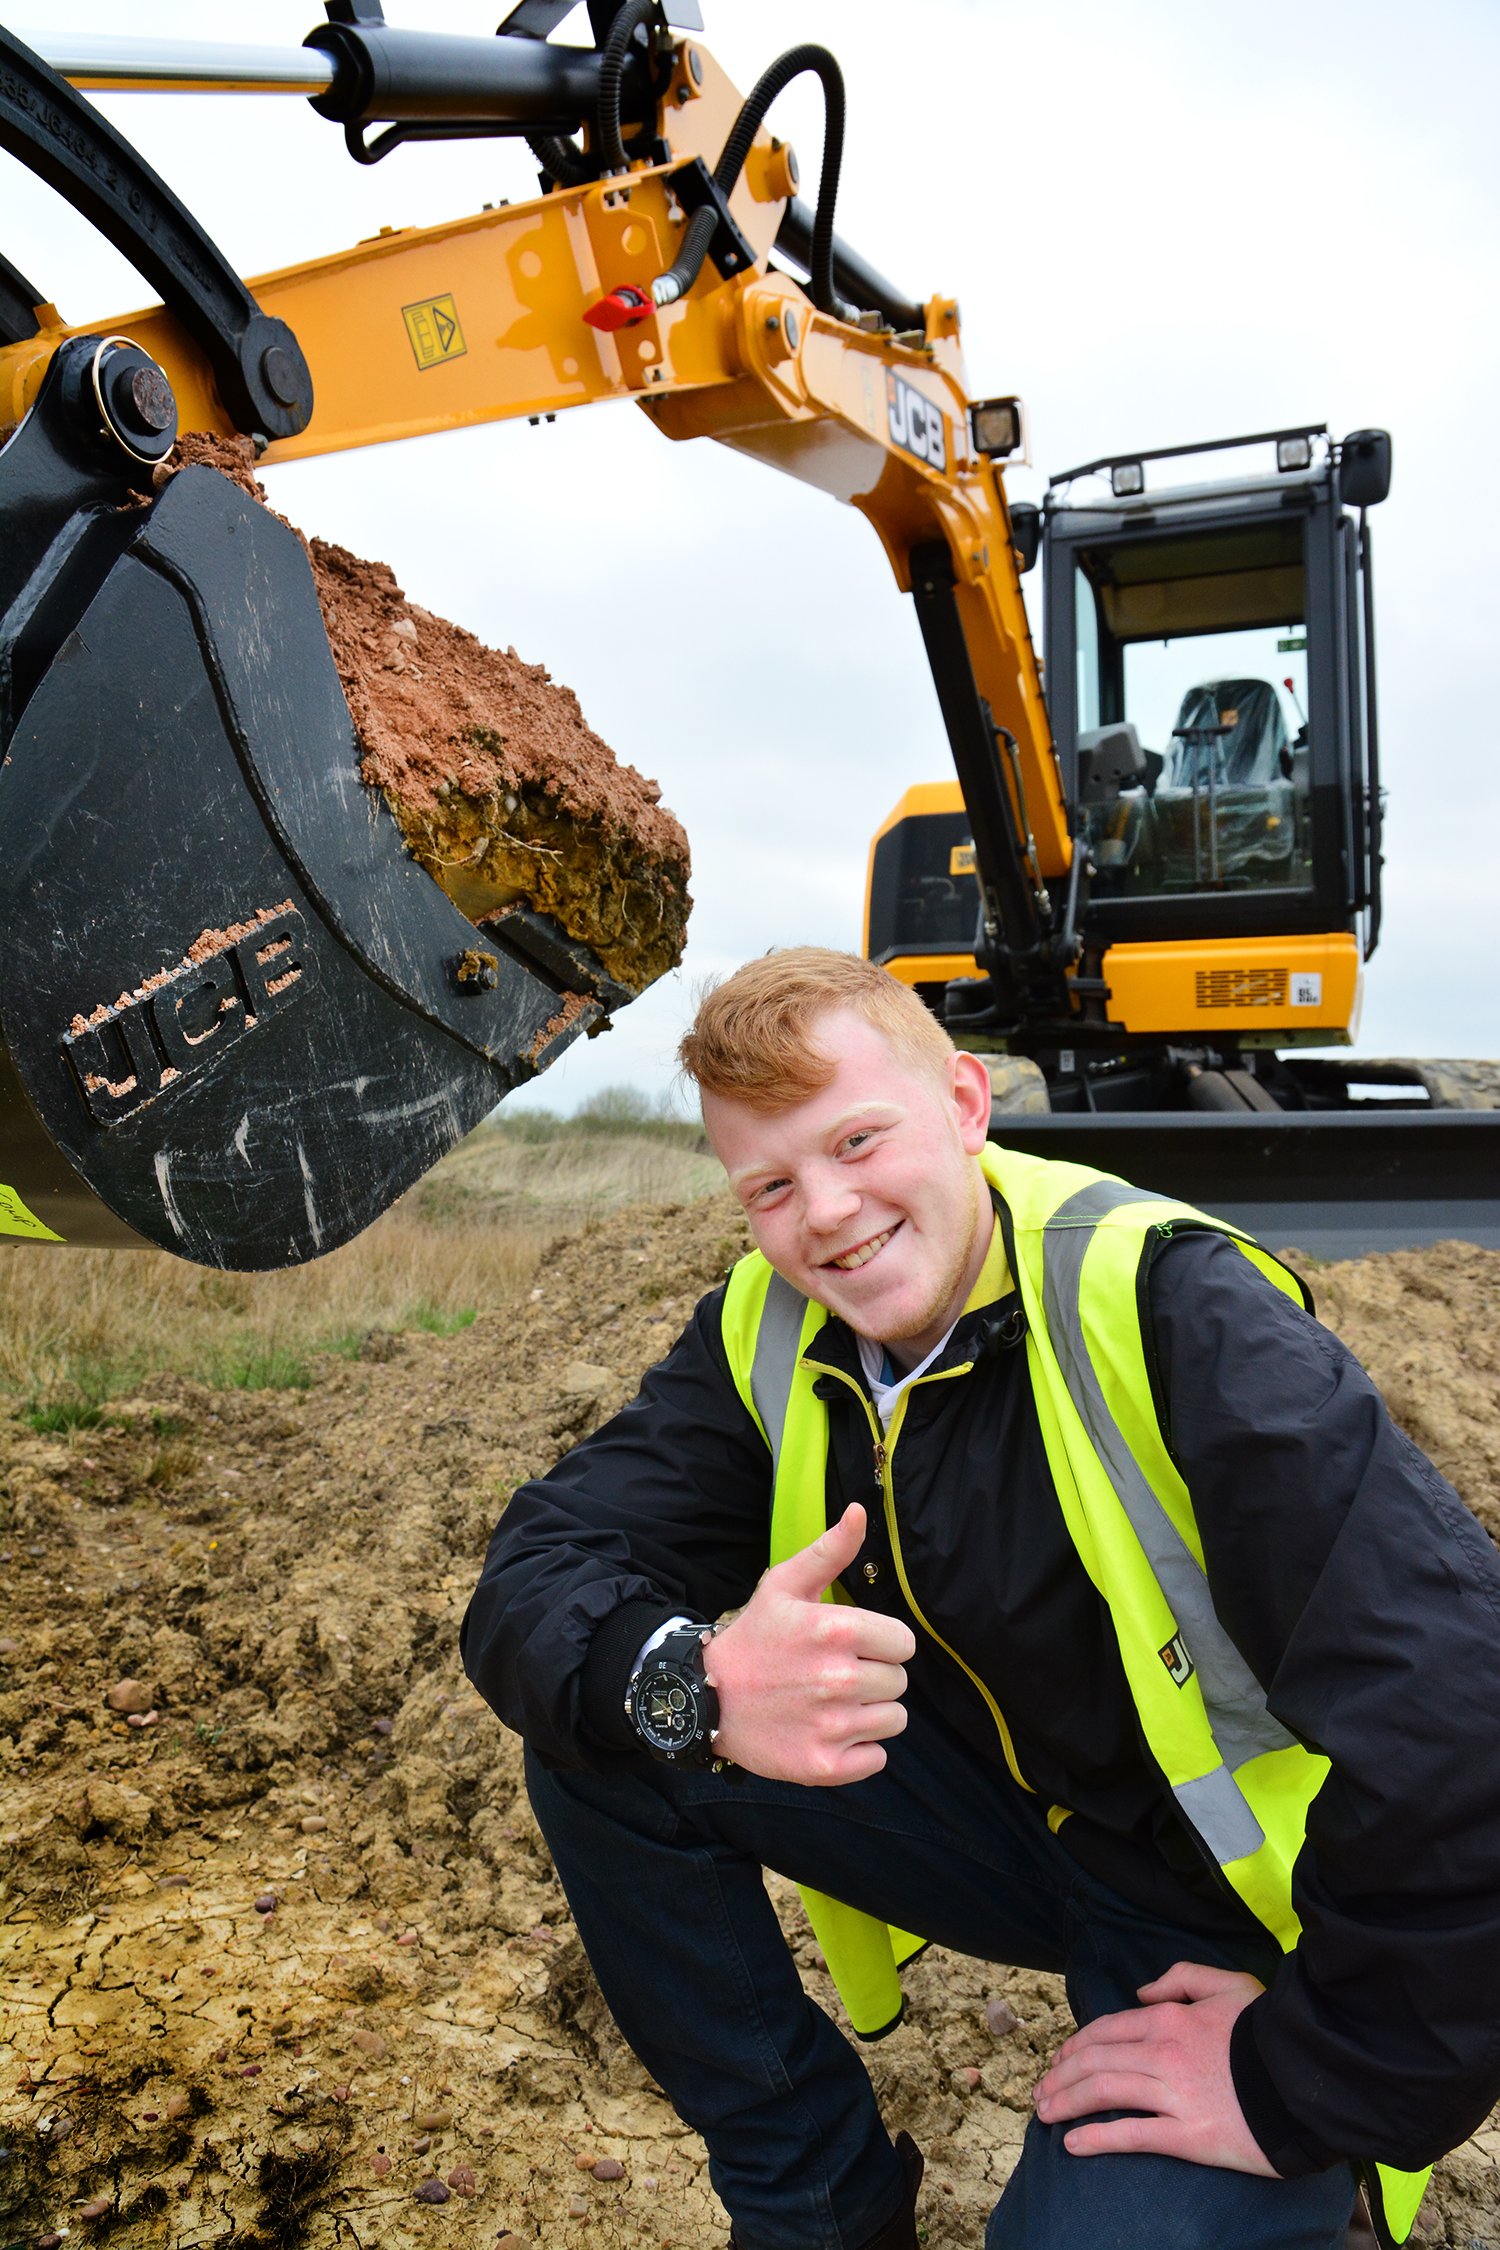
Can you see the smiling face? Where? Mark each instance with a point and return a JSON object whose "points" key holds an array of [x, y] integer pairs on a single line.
{"points": [[867, 1196]]}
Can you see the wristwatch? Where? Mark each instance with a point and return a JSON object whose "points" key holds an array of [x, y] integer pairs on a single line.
{"points": [[669, 1701]]}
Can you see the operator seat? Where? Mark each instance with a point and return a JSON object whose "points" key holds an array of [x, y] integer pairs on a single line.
{"points": [[1227, 809], [1254, 749]]}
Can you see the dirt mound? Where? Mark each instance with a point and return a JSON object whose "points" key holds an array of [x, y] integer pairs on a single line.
{"points": [[287, 1960], [501, 789]]}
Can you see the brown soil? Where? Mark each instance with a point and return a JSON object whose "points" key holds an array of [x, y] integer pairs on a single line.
{"points": [[291, 1949], [502, 791]]}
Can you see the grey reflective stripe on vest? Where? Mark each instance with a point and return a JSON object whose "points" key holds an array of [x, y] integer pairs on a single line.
{"points": [[777, 1349], [1216, 1809], [1233, 1698]]}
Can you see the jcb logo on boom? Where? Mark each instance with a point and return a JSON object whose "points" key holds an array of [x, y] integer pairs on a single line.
{"points": [[917, 426]]}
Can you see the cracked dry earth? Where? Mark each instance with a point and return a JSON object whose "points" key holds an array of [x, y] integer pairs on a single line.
{"points": [[288, 1965]]}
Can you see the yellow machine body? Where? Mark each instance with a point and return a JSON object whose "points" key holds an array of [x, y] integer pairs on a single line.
{"points": [[1303, 990]]}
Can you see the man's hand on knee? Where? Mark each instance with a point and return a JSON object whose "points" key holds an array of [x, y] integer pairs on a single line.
{"points": [[1167, 2060], [810, 1690]]}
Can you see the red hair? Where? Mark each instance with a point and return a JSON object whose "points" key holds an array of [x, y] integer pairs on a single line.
{"points": [[754, 1038]]}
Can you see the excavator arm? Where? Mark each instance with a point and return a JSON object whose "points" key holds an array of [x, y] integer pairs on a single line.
{"points": [[235, 1018], [874, 414]]}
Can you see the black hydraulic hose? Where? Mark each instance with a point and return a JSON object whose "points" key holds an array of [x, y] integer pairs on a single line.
{"points": [[680, 276], [561, 160], [688, 263], [731, 163], [611, 74]]}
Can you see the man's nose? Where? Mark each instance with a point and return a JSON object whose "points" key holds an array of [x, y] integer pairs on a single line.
{"points": [[829, 1202]]}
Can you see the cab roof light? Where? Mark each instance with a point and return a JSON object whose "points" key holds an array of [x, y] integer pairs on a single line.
{"points": [[1116, 465], [1127, 479], [1293, 453]]}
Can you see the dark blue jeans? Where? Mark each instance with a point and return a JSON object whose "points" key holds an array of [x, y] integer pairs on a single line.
{"points": [[663, 1874]]}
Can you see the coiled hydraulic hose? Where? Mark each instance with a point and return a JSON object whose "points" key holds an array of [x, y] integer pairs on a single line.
{"points": [[562, 160], [611, 75], [684, 271]]}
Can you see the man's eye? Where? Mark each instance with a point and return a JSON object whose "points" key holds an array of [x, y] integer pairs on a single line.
{"points": [[766, 1189], [858, 1140]]}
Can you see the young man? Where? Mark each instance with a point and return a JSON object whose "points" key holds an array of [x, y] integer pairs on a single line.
{"points": [[1157, 1656]]}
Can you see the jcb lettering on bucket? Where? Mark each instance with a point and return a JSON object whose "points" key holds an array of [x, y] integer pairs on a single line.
{"points": [[178, 1024]]}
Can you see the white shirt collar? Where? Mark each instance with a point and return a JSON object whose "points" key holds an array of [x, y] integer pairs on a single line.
{"points": [[885, 1386]]}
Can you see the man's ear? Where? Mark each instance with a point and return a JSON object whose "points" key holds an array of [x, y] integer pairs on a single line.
{"points": [[972, 1096]]}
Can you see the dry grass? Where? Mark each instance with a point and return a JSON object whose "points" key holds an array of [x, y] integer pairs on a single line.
{"points": [[78, 1327], [566, 1176], [81, 1327]]}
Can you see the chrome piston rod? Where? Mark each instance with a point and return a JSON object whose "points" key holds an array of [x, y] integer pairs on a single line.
{"points": [[98, 62]]}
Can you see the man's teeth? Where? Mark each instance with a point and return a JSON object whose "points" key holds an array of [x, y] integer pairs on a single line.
{"points": [[862, 1256]]}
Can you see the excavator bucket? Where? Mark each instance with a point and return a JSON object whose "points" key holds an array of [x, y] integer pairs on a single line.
{"points": [[236, 1019]]}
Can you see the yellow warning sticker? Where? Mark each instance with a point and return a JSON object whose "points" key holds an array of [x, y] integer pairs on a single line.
{"points": [[16, 1219], [961, 860], [434, 331]]}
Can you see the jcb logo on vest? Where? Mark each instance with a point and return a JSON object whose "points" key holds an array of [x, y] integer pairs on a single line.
{"points": [[1176, 1659], [917, 426]]}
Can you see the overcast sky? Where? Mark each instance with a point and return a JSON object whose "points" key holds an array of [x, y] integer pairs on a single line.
{"points": [[1173, 220]]}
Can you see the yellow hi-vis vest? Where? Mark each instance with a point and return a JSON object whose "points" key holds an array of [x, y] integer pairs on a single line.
{"points": [[1078, 1239]]}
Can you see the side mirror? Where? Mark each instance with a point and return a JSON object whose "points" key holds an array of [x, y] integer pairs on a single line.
{"points": [[1365, 468], [1026, 533]]}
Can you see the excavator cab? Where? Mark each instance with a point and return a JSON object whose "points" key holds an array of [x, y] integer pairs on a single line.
{"points": [[1225, 627], [1209, 666]]}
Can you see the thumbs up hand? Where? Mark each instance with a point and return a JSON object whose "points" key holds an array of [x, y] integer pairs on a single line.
{"points": [[810, 1690]]}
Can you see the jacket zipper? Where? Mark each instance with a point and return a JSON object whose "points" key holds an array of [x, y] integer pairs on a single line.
{"points": [[884, 1447]]}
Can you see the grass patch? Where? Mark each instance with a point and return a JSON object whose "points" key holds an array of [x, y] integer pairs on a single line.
{"points": [[69, 1391], [265, 1367], [64, 1412], [565, 1172], [171, 1461], [434, 1320], [349, 1343], [83, 1329]]}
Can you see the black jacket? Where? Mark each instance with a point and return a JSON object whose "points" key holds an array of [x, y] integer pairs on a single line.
{"points": [[1363, 1595]]}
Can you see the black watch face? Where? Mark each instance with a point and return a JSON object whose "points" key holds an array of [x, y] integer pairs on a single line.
{"points": [[666, 1709]]}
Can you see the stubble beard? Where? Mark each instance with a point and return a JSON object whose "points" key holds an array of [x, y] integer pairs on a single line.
{"points": [[947, 1298]]}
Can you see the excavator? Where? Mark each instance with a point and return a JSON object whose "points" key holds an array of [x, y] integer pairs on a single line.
{"points": [[237, 1021]]}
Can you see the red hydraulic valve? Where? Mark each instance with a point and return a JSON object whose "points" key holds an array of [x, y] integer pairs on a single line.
{"points": [[622, 308]]}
